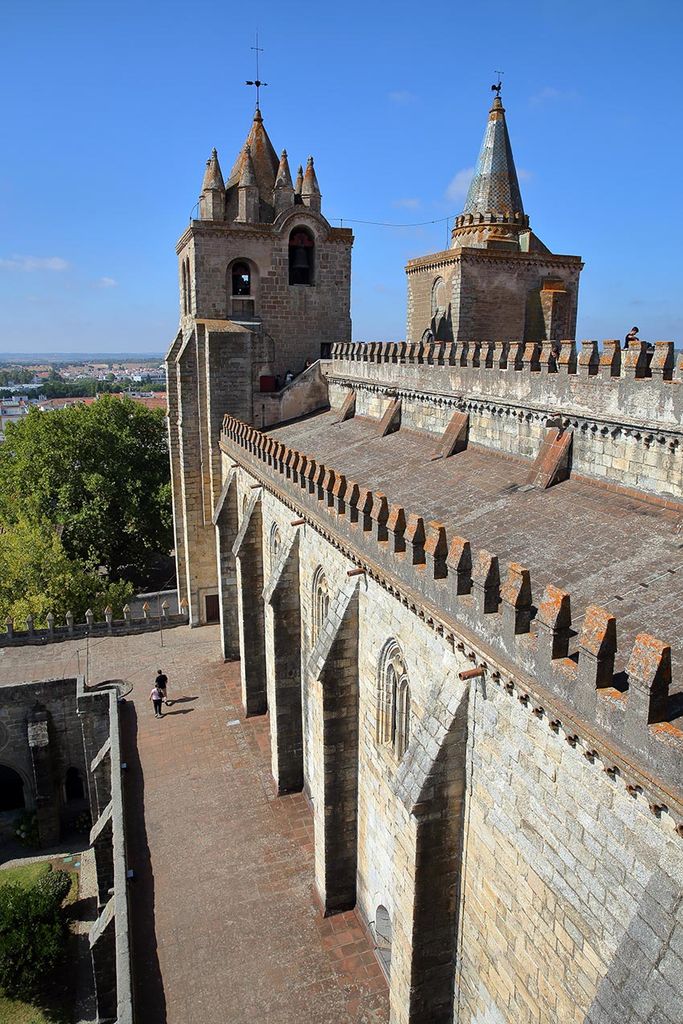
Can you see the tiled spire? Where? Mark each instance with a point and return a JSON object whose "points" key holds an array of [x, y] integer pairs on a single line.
{"points": [[494, 187]]}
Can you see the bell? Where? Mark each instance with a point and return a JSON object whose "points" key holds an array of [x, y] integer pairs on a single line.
{"points": [[300, 261]]}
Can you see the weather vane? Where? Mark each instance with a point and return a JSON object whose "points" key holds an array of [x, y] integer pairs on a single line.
{"points": [[257, 81], [499, 85]]}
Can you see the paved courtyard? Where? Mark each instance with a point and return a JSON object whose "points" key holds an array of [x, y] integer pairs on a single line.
{"points": [[225, 923]]}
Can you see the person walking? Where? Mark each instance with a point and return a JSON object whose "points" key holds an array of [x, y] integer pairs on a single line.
{"points": [[161, 682], [157, 699]]}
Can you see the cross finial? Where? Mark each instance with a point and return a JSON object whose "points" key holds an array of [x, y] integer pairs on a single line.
{"points": [[257, 81], [499, 85]]}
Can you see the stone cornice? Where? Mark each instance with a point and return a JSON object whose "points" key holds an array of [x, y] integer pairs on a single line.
{"points": [[506, 259], [640, 429]]}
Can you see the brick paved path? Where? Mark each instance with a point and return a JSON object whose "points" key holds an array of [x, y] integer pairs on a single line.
{"points": [[225, 926]]}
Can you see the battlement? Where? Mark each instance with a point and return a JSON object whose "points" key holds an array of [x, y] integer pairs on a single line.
{"points": [[567, 674], [637, 362], [53, 633], [635, 387]]}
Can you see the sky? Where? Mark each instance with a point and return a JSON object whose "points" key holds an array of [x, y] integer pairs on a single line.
{"points": [[110, 111]]}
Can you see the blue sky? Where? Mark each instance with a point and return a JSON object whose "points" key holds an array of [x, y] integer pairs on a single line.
{"points": [[111, 109]]}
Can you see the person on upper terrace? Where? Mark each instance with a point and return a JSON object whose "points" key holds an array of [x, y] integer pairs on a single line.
{"points": [[631, 336]]}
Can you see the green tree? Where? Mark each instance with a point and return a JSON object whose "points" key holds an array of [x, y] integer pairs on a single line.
{"points": [[37, 576], [100, 473], [33, 935]]}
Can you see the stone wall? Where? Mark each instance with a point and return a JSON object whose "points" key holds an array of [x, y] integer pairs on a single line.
{"points": [[110, 943], [529, 297], [625, 409], [40, 739], [297, 318], [528, 871]]}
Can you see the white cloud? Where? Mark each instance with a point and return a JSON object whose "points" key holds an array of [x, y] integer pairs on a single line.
{"points": [[549, 94], [525, 175], [407, 204], [401, 96], [460, 183], [31, 263], [107, 282]]}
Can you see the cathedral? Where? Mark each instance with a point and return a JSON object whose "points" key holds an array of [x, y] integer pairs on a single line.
{"points": [[450, 568]]}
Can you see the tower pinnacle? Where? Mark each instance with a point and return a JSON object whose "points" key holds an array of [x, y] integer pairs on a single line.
{"points": [[493, 215]]}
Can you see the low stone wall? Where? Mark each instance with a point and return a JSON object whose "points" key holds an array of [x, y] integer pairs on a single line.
{"points": [[110, 934], [13, 637]]}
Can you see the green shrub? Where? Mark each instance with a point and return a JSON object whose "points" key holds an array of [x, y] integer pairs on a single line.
{"points": [[55, 885], [33, 934]]}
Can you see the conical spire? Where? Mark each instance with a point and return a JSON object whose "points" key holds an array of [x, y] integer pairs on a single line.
{"points": [[213, 177], [283, 178], [310, 185], [310, 190], [494, 187], [248, 175], [263, 157], [299, 183]]}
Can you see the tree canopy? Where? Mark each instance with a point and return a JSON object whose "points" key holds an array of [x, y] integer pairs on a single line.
{"points": [[93, 481], [37, 576]]}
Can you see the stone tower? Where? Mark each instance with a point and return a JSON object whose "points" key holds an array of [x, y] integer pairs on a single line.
{"points": [[498, 281], [265, 281]]}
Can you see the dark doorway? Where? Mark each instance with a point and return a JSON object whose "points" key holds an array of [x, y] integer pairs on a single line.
{"points": [[11, 790], [73, 785], [211, 607]]}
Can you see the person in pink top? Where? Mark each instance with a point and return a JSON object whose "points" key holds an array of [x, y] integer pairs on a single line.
{"points": [[157, 698]]}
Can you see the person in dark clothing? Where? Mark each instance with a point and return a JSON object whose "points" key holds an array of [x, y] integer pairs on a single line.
{"points": [[631, 336], [161, 682]]}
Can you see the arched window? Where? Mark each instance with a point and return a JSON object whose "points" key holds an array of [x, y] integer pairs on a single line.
{"points": [[393, 700], [321, 601], [439, 302], [275, 543], [241, 278], [382, 932], [402, 717], [301, 256], [183, 286], [73, 785], [11, 789]]}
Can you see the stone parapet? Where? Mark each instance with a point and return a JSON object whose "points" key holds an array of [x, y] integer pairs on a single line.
{"points": [[129, 624], [639, 384], [523, 640]]}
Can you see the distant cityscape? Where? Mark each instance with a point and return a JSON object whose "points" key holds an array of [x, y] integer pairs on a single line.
{"points": [[53, 384]]}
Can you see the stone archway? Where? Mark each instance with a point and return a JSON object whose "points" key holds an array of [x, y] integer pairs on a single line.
{"points": [[12, 794]]}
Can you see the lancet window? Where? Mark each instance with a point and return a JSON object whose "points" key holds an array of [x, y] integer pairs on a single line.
{"points": [[321, 601], [393, 700], [275, 544]]}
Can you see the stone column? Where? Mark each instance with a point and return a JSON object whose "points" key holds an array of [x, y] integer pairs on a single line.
{"points": [[248, 549]]}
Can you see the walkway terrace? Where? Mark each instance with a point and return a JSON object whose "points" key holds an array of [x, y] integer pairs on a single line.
{"points": [[225, 925]]}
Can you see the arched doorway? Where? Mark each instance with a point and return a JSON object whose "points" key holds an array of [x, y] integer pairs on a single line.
{"points": [[11, 790], [73, 786]]}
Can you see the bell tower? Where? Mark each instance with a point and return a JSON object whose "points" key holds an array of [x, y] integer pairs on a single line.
{"points": [[265, 283]]}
